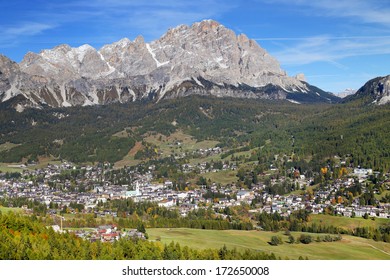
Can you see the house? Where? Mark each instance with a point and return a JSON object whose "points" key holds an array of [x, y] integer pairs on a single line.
{"points": [[360, 212], [362, 172], [109, 237], [167, 203], [384, 215], [133, 233], [242, 195], [168, 184]]}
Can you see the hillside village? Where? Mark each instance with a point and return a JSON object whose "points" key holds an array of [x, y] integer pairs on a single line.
{"points": [[89, 192]]}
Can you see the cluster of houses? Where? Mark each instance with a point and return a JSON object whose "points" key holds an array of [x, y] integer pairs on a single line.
{"points": [[208, 151], [198, 153], [204, 167], [104, 233], [322, 200], [185, 201]]}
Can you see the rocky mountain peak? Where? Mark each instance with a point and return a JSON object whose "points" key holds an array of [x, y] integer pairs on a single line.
{"points": [[301, 77], [208, 24], [7, 67], [375, 91], [139, 40], [204, 58]]}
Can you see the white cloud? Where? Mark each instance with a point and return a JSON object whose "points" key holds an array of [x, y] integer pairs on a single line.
{"points": [[369, 11], [366, 21], [99, 22], [331, 49], [148, 18], [103, 21], [26, 29], [10, 35]]}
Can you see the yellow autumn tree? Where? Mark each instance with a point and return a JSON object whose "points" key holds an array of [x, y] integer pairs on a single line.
{"points": [[343, 171]]}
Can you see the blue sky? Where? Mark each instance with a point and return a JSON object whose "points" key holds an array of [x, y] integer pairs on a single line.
{"points": [[337, 44]]}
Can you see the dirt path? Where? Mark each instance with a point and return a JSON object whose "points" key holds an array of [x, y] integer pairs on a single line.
{"points": [[138, 146], [376, 248]]}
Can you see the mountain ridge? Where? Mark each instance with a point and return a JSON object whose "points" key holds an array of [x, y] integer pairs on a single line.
{"points": [[375, 91], [205, 58]]}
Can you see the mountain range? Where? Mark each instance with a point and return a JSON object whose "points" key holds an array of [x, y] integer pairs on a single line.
{"points": [[205, 58]]}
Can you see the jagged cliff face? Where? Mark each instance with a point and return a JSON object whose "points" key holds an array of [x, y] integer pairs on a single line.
{"points": [[205, 58], [376, 91]]}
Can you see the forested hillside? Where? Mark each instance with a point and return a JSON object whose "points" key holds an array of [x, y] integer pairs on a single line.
{"points": [[311, 132]]}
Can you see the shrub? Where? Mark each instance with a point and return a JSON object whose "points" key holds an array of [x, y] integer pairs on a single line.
{"points": [[305, 239]]}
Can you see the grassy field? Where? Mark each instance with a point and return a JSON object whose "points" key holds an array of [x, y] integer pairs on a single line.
{"points": [[8, 209], [7, 167], [223, 177], [44, 161], [383, 194], [176, 143], [129, 160], [302, 192], [348, 223], [7, 146], [349, 248], [244, 154], [19, 167], [168, 145]]}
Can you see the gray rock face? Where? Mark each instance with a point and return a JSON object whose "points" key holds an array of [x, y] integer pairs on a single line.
{"points": [[376, 91], [8, 70], [205, 58], [382, 91]]}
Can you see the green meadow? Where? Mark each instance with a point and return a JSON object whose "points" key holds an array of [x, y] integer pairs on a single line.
{"points": [[8, 209], [348, 223], [349, 248]]}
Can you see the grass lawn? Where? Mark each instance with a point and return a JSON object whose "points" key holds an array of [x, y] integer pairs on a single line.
{"points": [[349, 248], [245, 154], [9, 167], [223, 177], [302, 192], [19, 167], [348, 223], [169, 144], [44, 161]]}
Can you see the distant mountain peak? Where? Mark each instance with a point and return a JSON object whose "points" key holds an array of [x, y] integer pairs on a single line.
{"points": [[346, 92]]}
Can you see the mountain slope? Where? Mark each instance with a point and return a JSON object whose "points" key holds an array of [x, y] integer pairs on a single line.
{"points": [[107, 133], [376, 91], [205, 58]]}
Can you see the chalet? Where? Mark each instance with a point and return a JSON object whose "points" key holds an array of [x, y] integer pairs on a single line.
{"points": [[243, 194], [109, 237], [167, 203], [133, 233], [362, 172], [168, 184]]}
